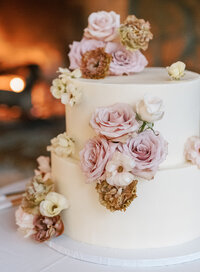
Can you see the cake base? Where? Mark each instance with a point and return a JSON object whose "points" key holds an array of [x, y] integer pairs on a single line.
{"points": [[184, 253]]}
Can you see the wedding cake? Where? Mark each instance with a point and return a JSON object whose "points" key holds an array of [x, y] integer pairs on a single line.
{"points": [[128, 161]]}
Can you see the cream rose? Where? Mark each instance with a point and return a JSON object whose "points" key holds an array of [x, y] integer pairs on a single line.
{"points": [[102, 25], [176, 70], [150, 109], [53, 204]]}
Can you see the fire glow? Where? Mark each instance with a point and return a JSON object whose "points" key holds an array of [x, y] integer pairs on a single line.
{"points": [[12, 83]]}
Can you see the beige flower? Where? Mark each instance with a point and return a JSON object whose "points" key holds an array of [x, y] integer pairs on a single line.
{"points": [[176, 70], [53, 204], [116, 198], [135, 33], [62, 145], [36, 191], [25, 222], [64, 87], [95, 63], [44, 168]]}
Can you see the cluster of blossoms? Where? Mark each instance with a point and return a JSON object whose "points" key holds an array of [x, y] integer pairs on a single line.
{"points": [[62, 145], [125, 149], [64, 87], [38, 215], [192, 150], [177, 70], [108, 47]]}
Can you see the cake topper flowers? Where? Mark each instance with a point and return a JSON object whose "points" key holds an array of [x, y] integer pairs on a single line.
{"points": [[104, 35], [125, 150], [38, 216], [177, 70]]}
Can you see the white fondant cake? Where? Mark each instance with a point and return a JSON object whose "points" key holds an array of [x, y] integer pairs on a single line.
{"points": [[166, 211]]}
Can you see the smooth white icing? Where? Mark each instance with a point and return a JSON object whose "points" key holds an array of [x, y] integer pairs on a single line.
{"points": [[181, 100], [165, 213]]}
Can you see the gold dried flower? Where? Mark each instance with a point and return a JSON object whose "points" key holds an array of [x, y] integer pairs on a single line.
{"points": [[116, 198], [95, 63], [135, 33], [36, 191]]}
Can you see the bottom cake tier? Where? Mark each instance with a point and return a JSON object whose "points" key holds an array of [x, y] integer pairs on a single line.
{"points": [[165, 212]]}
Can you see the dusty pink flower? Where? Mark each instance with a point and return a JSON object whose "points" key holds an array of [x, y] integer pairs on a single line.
{"points": [[125, 61], [44, 168], [77, 49], [148, 150], [94, 157], [102, 25], [47, 227], [25, 222], [192, 150], [114, 121]]}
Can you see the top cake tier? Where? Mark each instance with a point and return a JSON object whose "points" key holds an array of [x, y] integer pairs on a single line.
{"points": [[181, 100]]}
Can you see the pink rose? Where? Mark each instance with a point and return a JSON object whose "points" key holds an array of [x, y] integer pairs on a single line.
{"points": [[114, 121], [44, 168], [77, 49], [125, 61], [25, 222], [192, 150], [102, 26], [95, 156], [148, 151]]}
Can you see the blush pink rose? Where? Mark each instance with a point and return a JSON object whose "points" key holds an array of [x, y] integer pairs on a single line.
{"points": [[25, 222], [148, 150], [125, 61], [77, 49], [102, 26], [192, 150], [95, 156], [114, 121]]}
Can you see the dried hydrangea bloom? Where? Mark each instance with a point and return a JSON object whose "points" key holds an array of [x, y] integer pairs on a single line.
{"points": [[36, 191], [116, 198], [95, 63], [47, 227], [135, 33]]}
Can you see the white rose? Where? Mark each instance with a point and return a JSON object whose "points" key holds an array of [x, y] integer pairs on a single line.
{"points": [[62, 145], [53, 204], [118, 170], [176, 70], [150, 108]]}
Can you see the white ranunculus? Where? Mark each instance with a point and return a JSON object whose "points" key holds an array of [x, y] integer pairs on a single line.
{"points": [[53, 204], [150, 108], [62, 145], [176, 70], [118, 170]]}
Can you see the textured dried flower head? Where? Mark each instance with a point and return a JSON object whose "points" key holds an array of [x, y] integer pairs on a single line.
{"points": [[135, 33], [36, 191], [47, 227], [116, 198], [95, 63]]}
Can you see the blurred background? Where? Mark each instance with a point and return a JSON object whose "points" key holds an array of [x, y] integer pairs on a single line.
{"points": [[34, 39]]}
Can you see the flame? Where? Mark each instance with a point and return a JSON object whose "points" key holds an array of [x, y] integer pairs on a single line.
{"points": [[17, 84]]}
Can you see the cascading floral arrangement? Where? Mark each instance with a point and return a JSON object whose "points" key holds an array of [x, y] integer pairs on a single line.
{"points": [[125, 150], [111, 48], [38, 216]]}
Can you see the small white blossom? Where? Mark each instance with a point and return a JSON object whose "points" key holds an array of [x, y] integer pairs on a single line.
{"points": [[176, 70], [53, 204], [62, 145], [44, 168], [64, 87], [118, 170], [150, 108]]}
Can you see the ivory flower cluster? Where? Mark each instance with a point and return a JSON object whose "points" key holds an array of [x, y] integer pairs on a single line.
{"points": [[177, 70], [38, 215], [126, 147], [62, 145], [64, 87], [105, 32]]}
